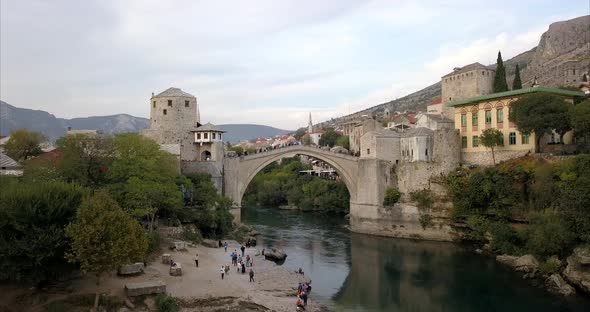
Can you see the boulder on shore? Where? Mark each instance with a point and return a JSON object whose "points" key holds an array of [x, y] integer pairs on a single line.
{"points": [[526, 263], [210, 243], [275, 254], [557, 285], [131, 269], [577, 271]]}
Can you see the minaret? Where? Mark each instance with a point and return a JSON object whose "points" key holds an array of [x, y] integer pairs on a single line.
{"points": [[310, 125]]}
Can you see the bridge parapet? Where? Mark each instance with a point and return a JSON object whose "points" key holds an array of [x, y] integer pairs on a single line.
{"points": [[301, 148]]}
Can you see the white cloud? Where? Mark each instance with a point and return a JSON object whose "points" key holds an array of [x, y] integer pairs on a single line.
{"points": [[482, 50]]}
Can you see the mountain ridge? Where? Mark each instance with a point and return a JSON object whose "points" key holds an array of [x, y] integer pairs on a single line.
{"points": [[13, 117]]}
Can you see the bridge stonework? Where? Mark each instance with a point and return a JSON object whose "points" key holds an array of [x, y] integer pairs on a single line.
{"points": [[366, 179]]}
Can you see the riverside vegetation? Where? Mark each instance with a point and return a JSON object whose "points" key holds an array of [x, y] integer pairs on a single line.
{"points": [[45, 214], [526, 206], [281, 184]]}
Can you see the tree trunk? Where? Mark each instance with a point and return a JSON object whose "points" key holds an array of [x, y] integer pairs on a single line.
{"points": [[493, 157], [97, 295], [538, 144]]}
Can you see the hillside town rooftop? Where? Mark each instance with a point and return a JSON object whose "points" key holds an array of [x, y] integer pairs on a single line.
{"points": [[516, 92]]}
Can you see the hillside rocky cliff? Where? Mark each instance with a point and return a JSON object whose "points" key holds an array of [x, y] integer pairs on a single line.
{"points": [[560, 59]]}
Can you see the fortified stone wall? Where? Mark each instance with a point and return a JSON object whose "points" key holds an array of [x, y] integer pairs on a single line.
{"points": [[485, 158], [214, 168]]}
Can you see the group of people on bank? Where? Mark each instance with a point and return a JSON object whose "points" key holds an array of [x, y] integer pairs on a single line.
{"points": [[241, 262]]}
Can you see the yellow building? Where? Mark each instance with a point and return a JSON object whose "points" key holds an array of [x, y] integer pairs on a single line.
{"points": [[476, 114]]}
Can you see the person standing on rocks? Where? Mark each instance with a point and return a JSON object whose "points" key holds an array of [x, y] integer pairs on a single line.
{"points": [[225, 246], [222, 271], [197, 260], [239, 266], [243, 249], [251, 275]]}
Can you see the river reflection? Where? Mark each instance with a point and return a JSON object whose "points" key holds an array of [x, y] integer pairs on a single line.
{"points": [[354, 272]]}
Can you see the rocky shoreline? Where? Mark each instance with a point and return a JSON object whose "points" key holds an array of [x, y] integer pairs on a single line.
{"points": [[569, 278]]}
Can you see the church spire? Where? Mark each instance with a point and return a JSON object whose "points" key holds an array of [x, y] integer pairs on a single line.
{"points": [[310, 125]]}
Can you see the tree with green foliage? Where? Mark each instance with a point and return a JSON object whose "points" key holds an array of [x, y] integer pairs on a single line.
{"points": [[299, 133], [329, 137], [24, 144], [306, 140], [540, 113], [500, 84], [142, 178], [33, 217], [492, 138], [238, 149], [580, 119], [85, 158], [517, 83], [343, 141], [207, 209], [103, 237], [392, 196]]}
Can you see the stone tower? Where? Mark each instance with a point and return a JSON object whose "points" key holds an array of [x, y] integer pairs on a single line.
{"points": [[465, 82], [310, 125], [173, 114]]}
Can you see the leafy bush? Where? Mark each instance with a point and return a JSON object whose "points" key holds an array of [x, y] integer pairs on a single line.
{"points": [[549, 266], [32, 222], [547, 234], [425, 220], [166, 303], [392, 196], [505, 239], [479, 226], [153, 239], [192, 235], [424, 198]]}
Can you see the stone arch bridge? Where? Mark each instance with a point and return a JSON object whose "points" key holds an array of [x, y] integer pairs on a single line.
{"points": [[366, 179], [239, 171]]}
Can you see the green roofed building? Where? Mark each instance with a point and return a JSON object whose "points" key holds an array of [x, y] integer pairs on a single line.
{"points": [[475, 114]]}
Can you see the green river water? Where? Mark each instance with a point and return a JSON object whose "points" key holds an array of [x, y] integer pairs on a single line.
{"points": [[355, 272]]}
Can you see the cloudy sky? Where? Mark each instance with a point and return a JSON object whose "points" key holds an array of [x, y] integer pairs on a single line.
{"points": [[260, 61]]}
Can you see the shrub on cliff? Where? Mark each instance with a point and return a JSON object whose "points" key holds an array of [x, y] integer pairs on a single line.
{"points": [[392, 196], [423, 198], [547, 234]]}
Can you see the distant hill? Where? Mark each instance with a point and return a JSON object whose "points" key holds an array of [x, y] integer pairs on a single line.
{"points": [[561, 50], [239, 132], [12, 117]]}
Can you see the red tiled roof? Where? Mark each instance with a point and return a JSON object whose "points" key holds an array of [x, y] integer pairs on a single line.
{"points": [[52, 156], [436, 100]]}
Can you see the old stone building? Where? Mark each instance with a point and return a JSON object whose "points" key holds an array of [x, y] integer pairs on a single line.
{"points": [[364, 125], [465, 82], [175, 125], [476, 114]]}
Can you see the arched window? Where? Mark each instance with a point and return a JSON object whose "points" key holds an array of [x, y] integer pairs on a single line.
{"points": [[205, 156]]}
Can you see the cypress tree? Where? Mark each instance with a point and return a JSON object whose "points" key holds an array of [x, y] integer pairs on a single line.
{"points": [[517, 84], [500, 84]]}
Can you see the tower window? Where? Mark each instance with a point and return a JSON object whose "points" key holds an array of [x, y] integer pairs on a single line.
{"points": [[154, 104], [165, 112], [205, 135], [213, 136], [198, 136], [170, 103], [368, 151], [186, 103]]}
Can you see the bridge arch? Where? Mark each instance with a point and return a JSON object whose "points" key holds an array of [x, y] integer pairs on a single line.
{"points": [[240, 171]]}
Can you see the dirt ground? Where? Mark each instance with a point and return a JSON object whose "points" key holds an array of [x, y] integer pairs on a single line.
{"points": [[202, 289]]}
